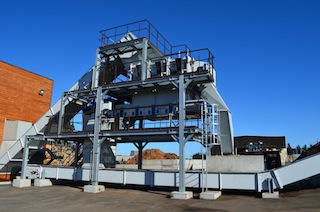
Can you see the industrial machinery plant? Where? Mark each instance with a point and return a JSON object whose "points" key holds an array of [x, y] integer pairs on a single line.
{"points": [[141, 89]]}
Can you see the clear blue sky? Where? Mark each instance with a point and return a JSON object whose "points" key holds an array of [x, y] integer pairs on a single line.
{"points": [[267, 52]]}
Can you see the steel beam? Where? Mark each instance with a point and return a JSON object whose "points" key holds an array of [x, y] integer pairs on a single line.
{"points": [[95, 73], [61, 113]]}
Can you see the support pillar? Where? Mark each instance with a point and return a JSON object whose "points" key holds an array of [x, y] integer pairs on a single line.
{"points": [[140, 147], [23, 181], [144, 59], [95, 71], [182, 193], [76, 155], [140, 155], [182, 103], [94, 187]]}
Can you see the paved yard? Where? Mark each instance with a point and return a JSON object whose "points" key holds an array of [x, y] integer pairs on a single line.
{"points": [[71, 198]]}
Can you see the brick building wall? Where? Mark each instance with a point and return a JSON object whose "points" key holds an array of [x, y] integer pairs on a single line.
{"points": [[19, 95]]}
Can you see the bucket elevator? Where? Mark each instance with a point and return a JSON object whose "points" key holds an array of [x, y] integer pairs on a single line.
{"points": [[141, 89]]}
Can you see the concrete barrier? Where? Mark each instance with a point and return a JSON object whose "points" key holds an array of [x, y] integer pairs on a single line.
{"points": [[236, 163]]}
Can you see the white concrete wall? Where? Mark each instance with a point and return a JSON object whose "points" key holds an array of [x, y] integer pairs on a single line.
{"points": [[160, 164], [236, 163], [165, 165]]}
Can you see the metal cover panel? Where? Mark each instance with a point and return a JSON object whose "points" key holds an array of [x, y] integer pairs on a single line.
{"points": [[238, 181], [166, 179], [111, 176], [134, 177]]}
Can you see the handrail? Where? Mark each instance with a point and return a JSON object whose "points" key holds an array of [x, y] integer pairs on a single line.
{"points": [[143, 28]]}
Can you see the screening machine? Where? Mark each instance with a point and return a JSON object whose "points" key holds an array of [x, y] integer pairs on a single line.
{"points": [[141, 89]]}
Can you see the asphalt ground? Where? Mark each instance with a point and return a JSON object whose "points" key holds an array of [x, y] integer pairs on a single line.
{"points": [[68, 196]]}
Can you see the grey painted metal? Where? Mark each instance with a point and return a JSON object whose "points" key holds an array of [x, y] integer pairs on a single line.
{"points": [[140, 147], [226, 134], [25, 159], [202, 147], [302, 169], [211, 94], [61, 113], [184, 81], [206, 128], [223, 181], [182, 100], [96, 143], [238, 181], [144, 59], [95, 72]]}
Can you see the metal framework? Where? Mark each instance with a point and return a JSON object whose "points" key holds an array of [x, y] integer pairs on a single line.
{"points": [[140, 90]]}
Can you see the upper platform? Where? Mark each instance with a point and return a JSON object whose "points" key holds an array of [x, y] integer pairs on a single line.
{"points": [[138, 30], [138, 52]]}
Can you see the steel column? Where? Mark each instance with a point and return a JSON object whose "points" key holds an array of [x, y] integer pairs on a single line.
{"points": [[182, 99], [140, 147], [144, 59], [95, 72], [96, 144], [25, 158], [140, 155]]}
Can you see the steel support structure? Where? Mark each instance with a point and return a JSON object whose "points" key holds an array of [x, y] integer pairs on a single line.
{"points": [[140, 147], [144, 59], [25, 159], [61, 113], [96, 140], [95, 73], [182, 115], [182, 141], [174, 70]]}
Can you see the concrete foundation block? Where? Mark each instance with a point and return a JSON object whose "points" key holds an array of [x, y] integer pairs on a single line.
{"points": [[210, 195], [267, 195], [181, 195], [21, 183], [93, 188], [42, 182]]}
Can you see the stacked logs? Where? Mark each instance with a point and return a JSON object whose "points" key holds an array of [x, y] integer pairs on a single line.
{"points": [[64, 152]]}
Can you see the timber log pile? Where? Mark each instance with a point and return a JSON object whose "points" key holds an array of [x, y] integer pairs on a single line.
{"points": [[64, 152]]}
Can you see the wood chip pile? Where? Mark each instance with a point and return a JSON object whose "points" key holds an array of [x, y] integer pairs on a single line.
{"points": [[153, 154]]}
